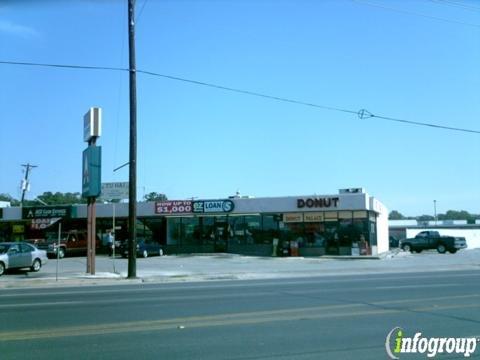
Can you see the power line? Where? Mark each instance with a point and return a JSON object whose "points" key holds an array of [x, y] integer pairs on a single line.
{"points": [[83, 67], [141, 10], [362, 114], [246, 92], [368, 3], [457, 4]]}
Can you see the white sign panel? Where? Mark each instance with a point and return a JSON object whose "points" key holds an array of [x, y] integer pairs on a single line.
{"points": [[92, 124], [114, 191]]}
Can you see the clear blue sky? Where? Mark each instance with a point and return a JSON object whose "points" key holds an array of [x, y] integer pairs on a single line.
{"points": [[208, 143]]}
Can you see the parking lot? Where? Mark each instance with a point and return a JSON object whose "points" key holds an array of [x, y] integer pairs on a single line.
{"points": [[181, 268]]}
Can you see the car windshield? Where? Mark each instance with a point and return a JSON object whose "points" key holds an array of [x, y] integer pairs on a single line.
{"points": [[3, 248]]}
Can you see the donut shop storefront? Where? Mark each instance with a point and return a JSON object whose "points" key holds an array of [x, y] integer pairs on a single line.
{"points": [[348, 223]]}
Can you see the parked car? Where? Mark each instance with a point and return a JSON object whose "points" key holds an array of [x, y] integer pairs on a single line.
{"points": [[145, 248], [71, 243], [18, 255], [433, 240]]}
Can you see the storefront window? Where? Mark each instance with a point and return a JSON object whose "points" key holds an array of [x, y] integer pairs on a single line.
{"points": [[191, 231], [269, 228], [236, 229], [174, 231], [207, 225], [253, 229], [315, 235]]}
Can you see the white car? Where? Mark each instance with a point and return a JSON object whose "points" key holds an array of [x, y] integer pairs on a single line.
{"points": [[17, 255]]}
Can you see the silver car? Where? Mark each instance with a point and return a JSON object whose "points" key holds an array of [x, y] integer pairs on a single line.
{"points": [[16, 255]]}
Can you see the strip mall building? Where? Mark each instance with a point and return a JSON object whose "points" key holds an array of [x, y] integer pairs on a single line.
{"points": [[311, 225]]}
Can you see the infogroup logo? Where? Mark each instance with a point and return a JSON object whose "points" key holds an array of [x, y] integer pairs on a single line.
{"points": [[397, 343]]}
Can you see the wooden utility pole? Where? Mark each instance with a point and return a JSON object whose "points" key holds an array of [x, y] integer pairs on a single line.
{"points": [[132, 197], [25, 184]]}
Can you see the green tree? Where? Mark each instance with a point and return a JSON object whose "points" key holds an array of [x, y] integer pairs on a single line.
{"points": [[395, 215], [59, 198], [458, 215], [154, 196], [425, 218], [9, 198]]}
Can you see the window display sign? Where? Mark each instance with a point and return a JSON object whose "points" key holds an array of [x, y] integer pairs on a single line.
{"points": [[313, 217], [294, 217], [18, 229], [173, 207], [213, 206]]}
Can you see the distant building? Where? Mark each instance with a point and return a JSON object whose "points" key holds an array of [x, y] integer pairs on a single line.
{"points": [[4, 204]]}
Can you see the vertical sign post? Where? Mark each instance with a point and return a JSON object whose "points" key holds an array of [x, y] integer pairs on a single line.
{"points": [[58, 247], [91, 178]]}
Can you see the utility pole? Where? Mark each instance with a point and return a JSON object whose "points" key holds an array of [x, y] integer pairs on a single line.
{"points": [[25, 184], [132, 191]]}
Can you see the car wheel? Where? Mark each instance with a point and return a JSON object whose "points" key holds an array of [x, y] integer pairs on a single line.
{"points": [[407, 247], [160, 252], [145, 253], [61, 253], [2, 268], [36, 265], [441, 248]]}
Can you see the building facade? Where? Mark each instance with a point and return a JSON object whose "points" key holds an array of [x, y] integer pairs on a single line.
{"points": [[314, 225]]}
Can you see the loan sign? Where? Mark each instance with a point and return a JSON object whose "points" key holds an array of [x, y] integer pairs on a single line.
{"points": [[213, 206], [173, 207]]}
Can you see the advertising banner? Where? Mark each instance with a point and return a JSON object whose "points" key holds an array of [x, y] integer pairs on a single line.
{"points": [[91, 171], [46, 212], [173, 207], [114, 191]]}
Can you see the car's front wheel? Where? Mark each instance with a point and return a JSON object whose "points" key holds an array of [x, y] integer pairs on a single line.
{"points": [[2, 268], [407, 247], [36, 266], [61, 253], [441, 248], [145, 253]]}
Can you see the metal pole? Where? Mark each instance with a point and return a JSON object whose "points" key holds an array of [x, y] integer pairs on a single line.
{"points": [[93, 245], [113, 242], [58, 247], [89, 234], [132, 198]]}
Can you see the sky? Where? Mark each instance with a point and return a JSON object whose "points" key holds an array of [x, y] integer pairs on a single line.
{"points": [[412, 60]]}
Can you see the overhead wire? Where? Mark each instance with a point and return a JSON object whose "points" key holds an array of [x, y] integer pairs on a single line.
{"points": [[408, 12], [457, 4], [362, 114], [141, 10]]}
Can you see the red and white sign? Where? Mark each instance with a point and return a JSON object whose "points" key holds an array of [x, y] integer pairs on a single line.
{"points": [[173, 207], [40, 223]]}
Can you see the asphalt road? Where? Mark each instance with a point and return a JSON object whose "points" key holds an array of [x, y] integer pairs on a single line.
{"points": [[336, 317]]}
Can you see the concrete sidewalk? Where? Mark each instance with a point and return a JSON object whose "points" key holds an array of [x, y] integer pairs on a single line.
{"points": [[182, 268]]}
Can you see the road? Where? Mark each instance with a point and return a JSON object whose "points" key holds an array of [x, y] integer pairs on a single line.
{"points": [[335, 317]]}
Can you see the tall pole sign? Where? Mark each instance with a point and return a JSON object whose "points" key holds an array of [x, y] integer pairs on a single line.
{"points": [[132, 198], [91, 178]]}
